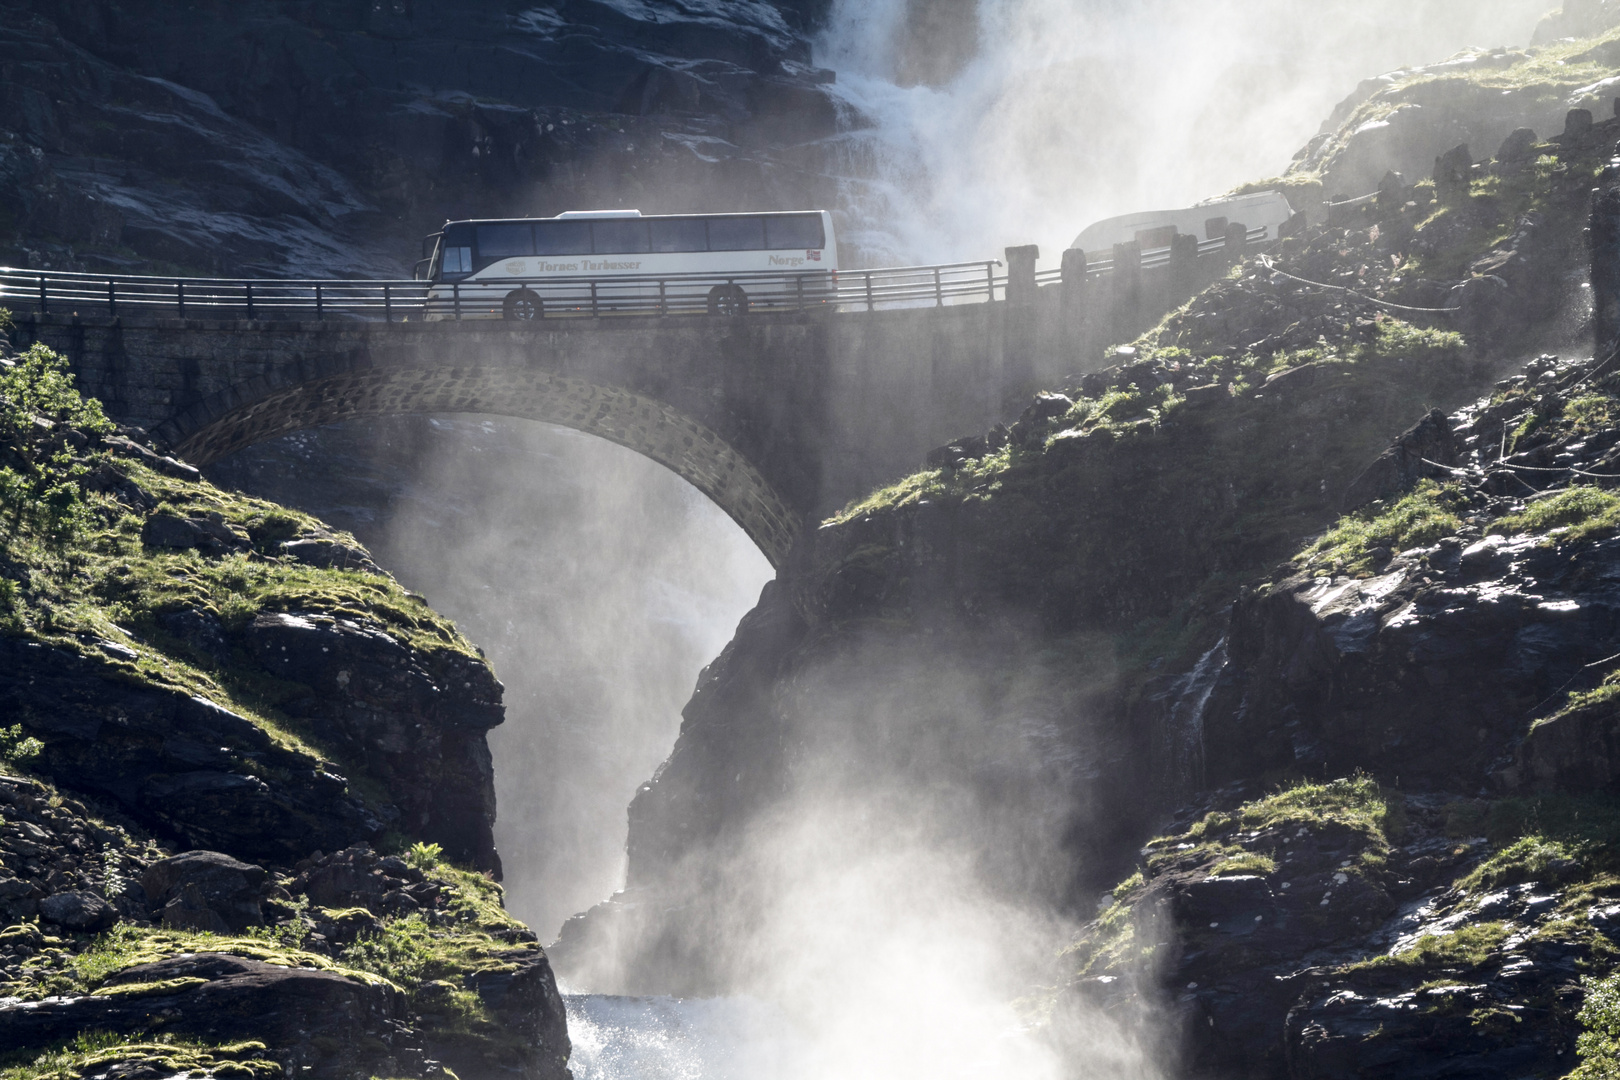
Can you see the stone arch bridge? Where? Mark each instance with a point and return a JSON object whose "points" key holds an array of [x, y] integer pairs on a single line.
{"points": [[778, 417]]}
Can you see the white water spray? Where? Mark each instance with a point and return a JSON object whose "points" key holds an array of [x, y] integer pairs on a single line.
{"points": [[1076, 110]]}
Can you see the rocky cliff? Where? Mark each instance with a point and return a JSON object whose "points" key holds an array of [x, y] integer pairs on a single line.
{"points": [[291, 138], [209, 694], [1326, 715]]}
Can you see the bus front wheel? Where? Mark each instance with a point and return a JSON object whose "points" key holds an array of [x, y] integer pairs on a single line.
{"points": [[728, 300], [522, 306]]}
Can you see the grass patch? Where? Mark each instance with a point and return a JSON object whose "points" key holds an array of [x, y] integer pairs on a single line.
{"points": [[1417, 520], [1581, 513], [1247, 862], [1567, 838], [90, 1053], [1358, 802], [55, 971], [1468, 947]]}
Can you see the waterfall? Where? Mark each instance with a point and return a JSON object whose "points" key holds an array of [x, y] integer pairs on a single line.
{"points": [[1181, 740], [1068, 111]]}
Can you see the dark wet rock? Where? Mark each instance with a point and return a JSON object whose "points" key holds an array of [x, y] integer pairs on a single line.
{"points": [[206, 890], [182, 765], [415, 720], [209, 534], [78, 910], [199, 630], [326, 1024], [1427, 450]]}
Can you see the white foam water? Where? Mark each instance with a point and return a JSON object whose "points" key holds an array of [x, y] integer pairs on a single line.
{"points": [[663, 1038]]}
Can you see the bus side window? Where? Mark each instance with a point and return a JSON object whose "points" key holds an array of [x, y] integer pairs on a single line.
{"points": [[794, 232], [736, 234], [1215, 228], [505, 241], [562, 238], [678, 234], [620, 237]]}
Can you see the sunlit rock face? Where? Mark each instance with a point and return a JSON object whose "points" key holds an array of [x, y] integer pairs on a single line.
{"points": [[303, 138]]}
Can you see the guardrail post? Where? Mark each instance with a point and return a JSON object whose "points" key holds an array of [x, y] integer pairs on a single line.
{"points": [[112, 297], [870, 304], [1127, 299], [990, 278], [1237, 239], [320, 305], [180, 297], [595, 311], [798, 282], [1183, 267], [44, 299], [388, 303], [248, 285], [939, 289], [455, 293], [1021, 287], [1074, 298], [663, 298]]}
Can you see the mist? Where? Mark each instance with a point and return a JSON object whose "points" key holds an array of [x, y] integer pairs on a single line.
{"points": [[1070, 111]]}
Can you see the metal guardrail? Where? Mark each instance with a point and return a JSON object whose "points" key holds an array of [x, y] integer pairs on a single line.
{"points": [[555, 297]]}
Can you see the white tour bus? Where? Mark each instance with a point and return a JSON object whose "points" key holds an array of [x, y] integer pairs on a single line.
{"points": [[618, 261], [1155, 230]]}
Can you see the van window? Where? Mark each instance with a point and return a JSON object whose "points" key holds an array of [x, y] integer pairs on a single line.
{"points": [[736, 234], [505, 241], [678, 234], [1154, 239], [1215, 228], [562, 238], [627, 237], [801, 231]]}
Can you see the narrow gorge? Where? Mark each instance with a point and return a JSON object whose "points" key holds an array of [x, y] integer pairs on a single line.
{"points": [[1218, 680]]}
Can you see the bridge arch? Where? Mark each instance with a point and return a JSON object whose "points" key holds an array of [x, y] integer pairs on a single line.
{"points": [[227, 422]]}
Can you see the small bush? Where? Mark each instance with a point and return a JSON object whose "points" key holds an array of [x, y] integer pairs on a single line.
{"points": [[17, 749], [1599, 1045], [424, 856], [41, 385]]}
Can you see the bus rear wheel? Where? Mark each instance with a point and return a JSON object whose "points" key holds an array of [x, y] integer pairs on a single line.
{"points": [[728, 300], [522, 306]]}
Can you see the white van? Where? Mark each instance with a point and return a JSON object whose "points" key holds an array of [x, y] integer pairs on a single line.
{"points": [[607, 262], [1155, 230]]}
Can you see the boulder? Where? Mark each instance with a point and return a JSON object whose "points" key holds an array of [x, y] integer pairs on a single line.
{"points": [[1516, 149], [205, 890], [328, 554], [78, 910], [1453, 174]]}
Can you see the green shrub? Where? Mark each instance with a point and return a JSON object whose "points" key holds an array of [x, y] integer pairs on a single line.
{"points": [[424, 856], [40, 384], [17, 749], [1599, 1045]]}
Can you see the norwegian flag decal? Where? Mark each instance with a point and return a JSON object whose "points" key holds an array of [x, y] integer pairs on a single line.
{"points": [[813, 256]]}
